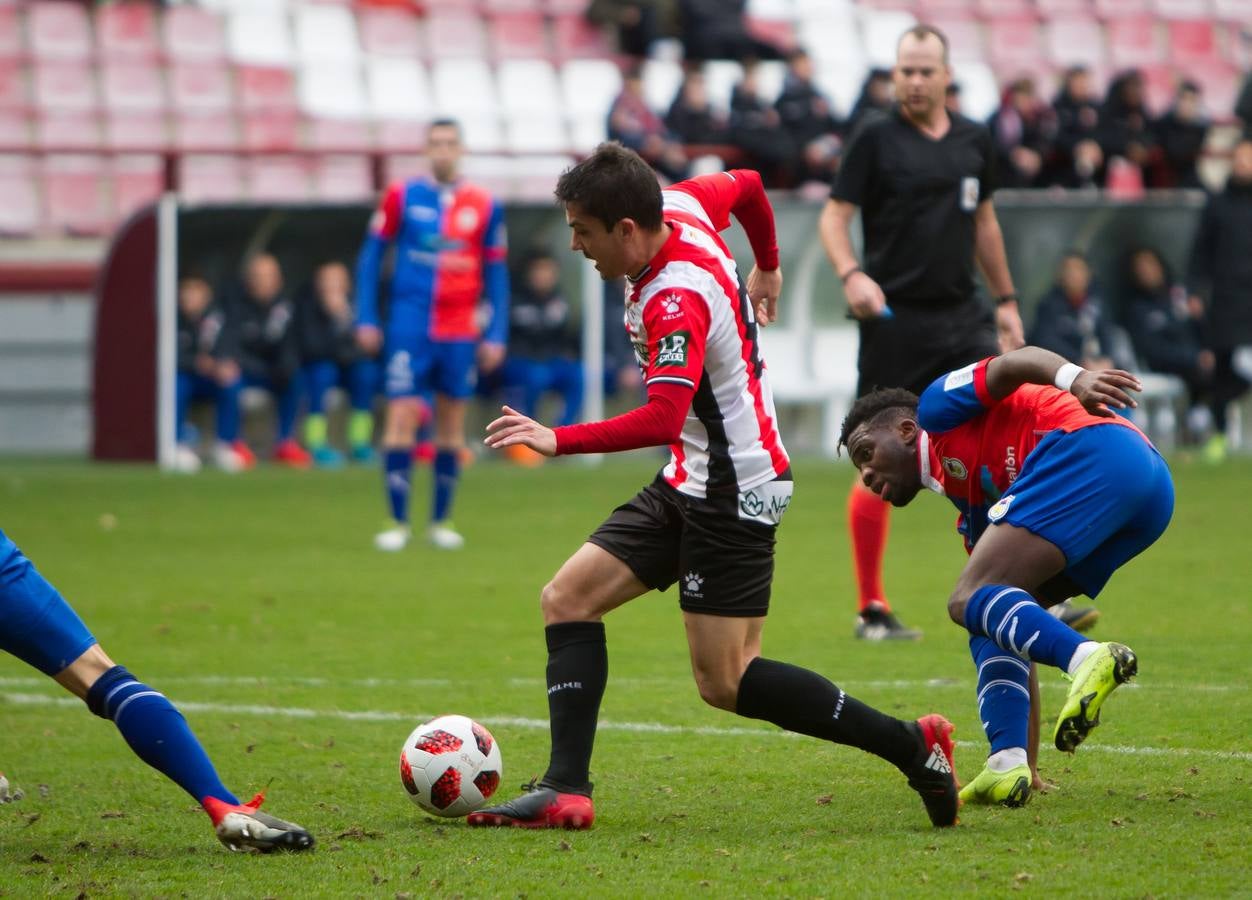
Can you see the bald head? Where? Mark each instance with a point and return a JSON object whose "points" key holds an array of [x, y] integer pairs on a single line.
{"points": [[921, 74]]}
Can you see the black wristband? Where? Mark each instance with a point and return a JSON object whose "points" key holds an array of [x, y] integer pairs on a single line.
{"points": [[848, 274], [1006, 298]]}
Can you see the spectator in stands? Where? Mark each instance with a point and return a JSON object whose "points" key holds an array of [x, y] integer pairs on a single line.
{"points": [[1168, 330], [331, 357], [264, 343], [718, 29], [1071, 320], [1181, 133], [691, 117], [544, 347], [1125, 128], [1221, 267], [877, 94], [634, 124], [635, 24], [1024, 128], [1078, 158], [808, 117], [756, 129], [1243, 105], [205, 373]]}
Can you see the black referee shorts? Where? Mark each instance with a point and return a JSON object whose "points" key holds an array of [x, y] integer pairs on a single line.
{"points": [[920, 342], [723, 562]]}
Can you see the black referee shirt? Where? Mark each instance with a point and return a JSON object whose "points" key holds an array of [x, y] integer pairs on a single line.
{"points": [[917, 198]]}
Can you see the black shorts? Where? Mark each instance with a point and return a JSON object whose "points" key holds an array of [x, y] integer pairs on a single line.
{"points": [[722, 560], [919, 343]]}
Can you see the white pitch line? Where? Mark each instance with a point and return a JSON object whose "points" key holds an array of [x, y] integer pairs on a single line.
{"points": [[297, 712]]}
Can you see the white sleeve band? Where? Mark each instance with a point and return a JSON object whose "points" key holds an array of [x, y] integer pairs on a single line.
{"points": [[1065, 376]]}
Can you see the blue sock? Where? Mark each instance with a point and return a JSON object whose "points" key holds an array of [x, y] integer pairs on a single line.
{"points": [[1003, 694], [157, 732], [397, 464], [1016, 623], [447, 470]]}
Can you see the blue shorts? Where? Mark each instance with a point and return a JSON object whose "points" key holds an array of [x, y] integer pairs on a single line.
{"points": [[415, 365], [1101, 494], [36, 624]]}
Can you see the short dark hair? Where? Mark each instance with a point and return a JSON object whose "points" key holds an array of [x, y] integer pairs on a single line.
{"points": [[612, 184], [444, 123], [881, 403], [922, 31]]}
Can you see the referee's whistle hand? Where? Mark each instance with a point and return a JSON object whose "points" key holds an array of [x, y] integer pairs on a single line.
{"points": [[764, 289], [865, 298]]}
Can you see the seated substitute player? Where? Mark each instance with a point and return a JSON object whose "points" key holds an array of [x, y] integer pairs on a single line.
{"points": [[708, 520], [450, 245], [1055, 492], [39, 627]]}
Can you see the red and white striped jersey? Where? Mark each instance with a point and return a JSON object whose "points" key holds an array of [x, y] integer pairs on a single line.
{"points": [[692, 324]]}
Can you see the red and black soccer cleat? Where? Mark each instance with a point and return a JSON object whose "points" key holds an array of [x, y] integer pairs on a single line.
{"points": [[538, 807], [933, 773]]}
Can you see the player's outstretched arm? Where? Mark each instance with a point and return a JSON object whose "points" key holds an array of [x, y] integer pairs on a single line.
{"points": [[514, 428], [1100, 392]]}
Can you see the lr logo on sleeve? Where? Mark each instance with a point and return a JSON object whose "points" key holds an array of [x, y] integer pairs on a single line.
{"points": [[671, 350]]}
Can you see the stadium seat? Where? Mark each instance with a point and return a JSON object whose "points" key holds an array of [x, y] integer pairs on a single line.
{"points": [[332, 91], [138, 179], [720, 78], [390, 32], [1073, 41], [1191, 41], [401, 135], [15, 132], [58, 30], [980, 89], [64, 87], [831, 36], [842, 84], [200, 87], [518, 35], [12, 45], [341, 178], [534, 177], [1159, 86], [565, 7], [277, 179], [770, 76], [1237, 12], [402, 166], [1220, 82], [780, 34], [536, 134], [455, 36], [60, 132], [510, 6], [930, 10], [135, 131], [326, 34], [780, 10], [131, 86], [1134, 42], [965, 37], [495, 173], [482, 133], [587, 132], [1182, 9], [661, 80], [193, 34], [19, 213], [259, 37], [1114, 9], [880, 32], [207, 131], [464, 87], [75, 194], [266, 89], [339, 135], [1014, 43], [12, 85], [528, 87], [589, 86], [210, 179], [576, 38], [270, 133], [1064, 8], [127, 31], [398, 89], [1005, 8]]}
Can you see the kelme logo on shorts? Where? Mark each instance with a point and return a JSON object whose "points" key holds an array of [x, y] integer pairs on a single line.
{"points": [[671, 350]]}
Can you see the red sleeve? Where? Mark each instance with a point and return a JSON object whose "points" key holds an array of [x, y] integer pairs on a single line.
{"points": [[655, 424], [385, 222], [740, 192], [980, 383], [676, 321]]}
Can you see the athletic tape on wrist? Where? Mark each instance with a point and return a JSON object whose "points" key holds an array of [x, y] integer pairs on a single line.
{"points": [[1066, 375]]}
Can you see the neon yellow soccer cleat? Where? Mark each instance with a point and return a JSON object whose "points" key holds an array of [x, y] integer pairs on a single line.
{"points": [[1108, 666], [1009, 788]]}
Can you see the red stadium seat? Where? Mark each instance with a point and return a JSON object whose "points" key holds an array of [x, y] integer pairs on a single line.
{"points": [[266, 89], [576, 38], [1220, 82], [1112, 9], [271, 132], [339, 135], [390, 32], [12, 85], [965, 37], [206, 131], [58, 29], [75, 194], [451, 36], [127, 31], [135, 131], [198, 87], [1014, 42], [564, 7], [194, 34], [1182, 9], [1135, 42], [343, 178], [132, 86], [1192, 41], [518, 36], [277, 179], [60, 132], [15, 133], [210, 179], [64, 87], [511, 6], [138, 179], [444, 7], [1006, 8], [19, 213], [1160, 83], [1068, 8], [11, 44], [931, 9], [1075, 42]]}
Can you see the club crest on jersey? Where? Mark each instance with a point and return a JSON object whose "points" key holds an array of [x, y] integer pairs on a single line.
{"points": [[466, 218], [671, 350], [955, 468], [1000, 508]]}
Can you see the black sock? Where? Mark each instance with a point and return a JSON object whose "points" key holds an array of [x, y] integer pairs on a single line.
{"points": [[803, 701], [578, 667]]}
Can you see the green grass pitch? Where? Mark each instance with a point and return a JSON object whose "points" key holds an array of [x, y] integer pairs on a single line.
{"points": [[303, 658]]}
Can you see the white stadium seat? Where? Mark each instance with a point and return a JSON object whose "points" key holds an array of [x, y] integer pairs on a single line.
{"points": [[660, 83], [398, 89], [259, 37], [332, 91], [326, 34], [880, 33], [464, 87], [589, 86], [720, 78], [528, 86], [536, 134]]}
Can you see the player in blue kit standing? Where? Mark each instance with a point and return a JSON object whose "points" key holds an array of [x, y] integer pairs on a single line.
{"points": [[1055, 492], [39, 627], [450, 246]]}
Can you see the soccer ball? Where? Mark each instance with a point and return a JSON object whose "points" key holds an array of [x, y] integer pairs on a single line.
{"points": [[450, 766]]}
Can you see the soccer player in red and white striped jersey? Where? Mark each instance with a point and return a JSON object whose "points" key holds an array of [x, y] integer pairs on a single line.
{"points": [[708, 520]]}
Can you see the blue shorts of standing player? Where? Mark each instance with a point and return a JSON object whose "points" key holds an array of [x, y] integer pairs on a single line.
{"points": [[1055, 492], [39, 627]]}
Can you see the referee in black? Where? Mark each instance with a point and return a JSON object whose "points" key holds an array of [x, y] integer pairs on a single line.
{"points": [[922, 179]]}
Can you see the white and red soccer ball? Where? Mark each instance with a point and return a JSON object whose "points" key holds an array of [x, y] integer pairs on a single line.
{"points": [[450, 766]]}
